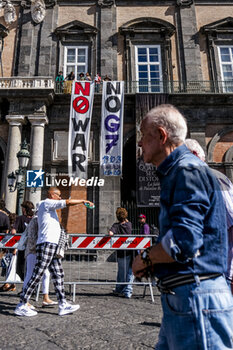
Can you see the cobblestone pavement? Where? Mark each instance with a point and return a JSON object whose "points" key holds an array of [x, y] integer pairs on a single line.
{"points": [[102, 322]]}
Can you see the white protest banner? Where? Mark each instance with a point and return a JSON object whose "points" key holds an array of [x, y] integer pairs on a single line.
{"points": [[79, 128], [112, 128]]}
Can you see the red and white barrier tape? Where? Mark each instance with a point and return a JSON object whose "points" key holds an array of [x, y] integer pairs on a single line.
{"points": [[110, 242], [89, 242], [9, 241]]}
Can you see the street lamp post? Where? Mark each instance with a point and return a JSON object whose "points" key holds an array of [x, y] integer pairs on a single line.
{"points": [[16, 180]]}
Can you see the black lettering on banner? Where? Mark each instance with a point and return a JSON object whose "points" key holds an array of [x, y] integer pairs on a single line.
{"points": [[80, 142], [77, 160], [117, 106], [111, 87], [80, 124]]}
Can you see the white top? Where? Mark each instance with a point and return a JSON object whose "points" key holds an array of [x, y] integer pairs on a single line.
{"points": [[48, 224], [227, 193]]}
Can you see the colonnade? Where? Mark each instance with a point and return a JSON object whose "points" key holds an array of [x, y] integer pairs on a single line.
{"points": [[16, 122]]}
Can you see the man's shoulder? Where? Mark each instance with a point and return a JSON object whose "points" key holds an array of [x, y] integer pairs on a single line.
{"points": [[3, 213], [3, 216]]}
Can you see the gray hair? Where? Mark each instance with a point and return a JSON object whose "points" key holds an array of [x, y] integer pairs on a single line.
{"points": [[195, 148], [168, 117]]}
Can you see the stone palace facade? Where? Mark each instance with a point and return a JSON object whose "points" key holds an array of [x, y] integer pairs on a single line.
{"points": [[177, 51]]}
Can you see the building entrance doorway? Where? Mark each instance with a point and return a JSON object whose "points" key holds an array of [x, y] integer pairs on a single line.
{"points": [[128, 189]]}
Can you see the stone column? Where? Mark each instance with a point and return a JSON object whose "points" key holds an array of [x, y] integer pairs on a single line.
{"points": [[13, 147], [109, 199], [108, 38], [37, 151]]}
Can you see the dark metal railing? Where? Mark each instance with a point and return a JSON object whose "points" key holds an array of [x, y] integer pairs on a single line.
{"points": [[171, 87]]}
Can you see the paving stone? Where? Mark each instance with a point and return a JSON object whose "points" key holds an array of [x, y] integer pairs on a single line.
{"points": [[102, 322]]}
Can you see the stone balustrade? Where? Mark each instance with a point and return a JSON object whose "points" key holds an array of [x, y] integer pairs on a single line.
{"points": [[27, 83]]}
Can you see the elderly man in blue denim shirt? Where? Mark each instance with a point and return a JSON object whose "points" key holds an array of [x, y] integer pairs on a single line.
{"points": [[191, 254]]}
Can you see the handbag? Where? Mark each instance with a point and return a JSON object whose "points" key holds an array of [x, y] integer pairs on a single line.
{"points": [[62, 244], [12, 276]]}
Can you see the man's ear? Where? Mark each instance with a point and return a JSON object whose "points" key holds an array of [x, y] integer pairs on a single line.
{"points": [[163, 134]]}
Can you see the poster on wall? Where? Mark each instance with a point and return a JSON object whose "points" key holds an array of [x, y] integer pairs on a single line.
{"points": [[147, 181], [111, 142], [79, 128], [147, 184]]}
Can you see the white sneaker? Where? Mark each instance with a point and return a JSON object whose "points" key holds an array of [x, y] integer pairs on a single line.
{"points": [[67, 309], [24, 310]]}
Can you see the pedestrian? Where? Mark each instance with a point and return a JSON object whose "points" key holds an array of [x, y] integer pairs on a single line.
{"points": [[30, 256], [124, 257], [60, 77], [227, 192], [20, 225], [3, 206], [107, 78], [49, 232], [190, 257], [82, 77], [88, 77], [144, 227], [97, 81], [5, 254], [70, 76], [60, 81], [4, 221]]}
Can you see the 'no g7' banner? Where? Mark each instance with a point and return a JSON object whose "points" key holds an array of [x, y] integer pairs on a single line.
{"points": [[112, 128], [79, 128]]}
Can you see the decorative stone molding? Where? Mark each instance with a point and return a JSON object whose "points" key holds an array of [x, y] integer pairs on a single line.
{"points": [[148, 25], [76, 31], [222, 26], [184, 2], [106, 3], [15, 120], [38, 120], [9, 13], [38, 11], [26, 4]]}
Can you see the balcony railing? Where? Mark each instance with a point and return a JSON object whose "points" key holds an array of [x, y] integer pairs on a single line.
{"points": [[171, 87], [132, 87], [27, 83]]}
